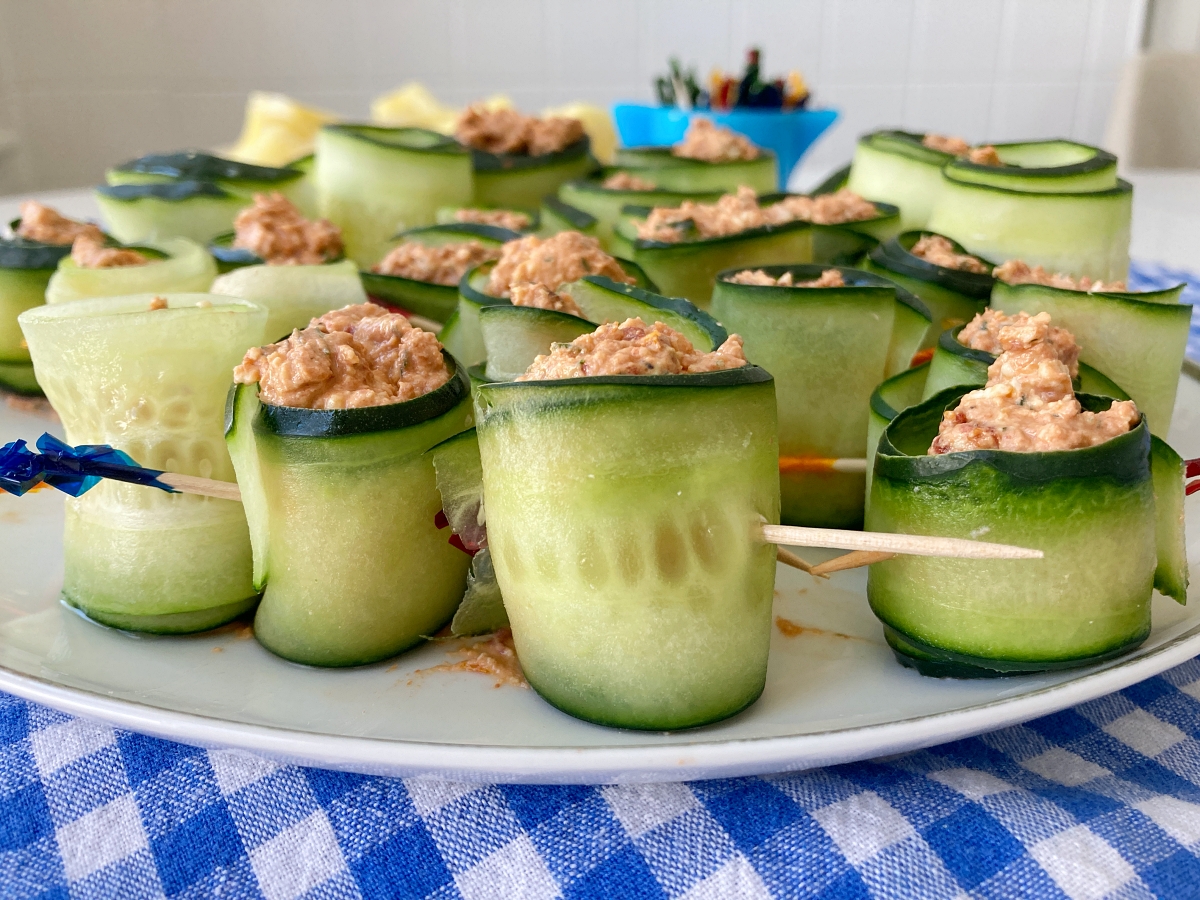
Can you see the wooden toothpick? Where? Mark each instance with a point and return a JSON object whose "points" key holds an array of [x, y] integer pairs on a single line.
{"points": [[910, 544]]}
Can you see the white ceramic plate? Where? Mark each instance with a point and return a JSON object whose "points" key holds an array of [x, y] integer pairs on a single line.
{"points": [[834, 692]]}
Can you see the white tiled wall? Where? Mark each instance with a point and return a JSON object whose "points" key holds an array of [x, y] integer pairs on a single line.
{"points": [[85, 83]]}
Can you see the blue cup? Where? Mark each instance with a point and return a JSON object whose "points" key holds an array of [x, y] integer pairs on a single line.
{"points": [[787, 134]]}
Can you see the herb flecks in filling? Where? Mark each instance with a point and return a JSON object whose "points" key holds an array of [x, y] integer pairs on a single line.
{"points": [[445, 264], [553, 261], [633, 348], [1016, 271], [349, 358], [1028, 404], [274, 230]]}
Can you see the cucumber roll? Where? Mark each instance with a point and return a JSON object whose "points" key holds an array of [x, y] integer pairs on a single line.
{"points": [[41, 238], [954, 284], [339, 493], [372, 182], [199, 210], [294, 295], [620, 523], [423, 266], [238, 178], [1021, 460], [170, 265], [537, 268], [521, 220], [844, 226], [273, 231], [148, 375], [605, 196], [1055, 167], [892, 397], [856, 329], [899, 168], [556, 216], [1082, 233], [1136, 339], [708, 159]]}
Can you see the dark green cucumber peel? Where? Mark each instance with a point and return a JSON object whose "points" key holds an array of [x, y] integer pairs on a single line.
{"points": [[22, 253], [1123, 462], [417, 140], [896, 255], [171, 623], [170, 191], [662, 196], [899, 392], [575, 218], [516, 335], [1122, 187], [1168, 468], [194, 165], [854, 278], [483, 161], [906, 143], [1098, 160], [465, 231], [656, 157], [677, 305], [834, 183], [327, 423], [690, 244]]}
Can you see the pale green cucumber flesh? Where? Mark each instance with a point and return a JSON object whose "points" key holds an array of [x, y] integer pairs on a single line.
{"points": [[513, 336], [947, 307], [636, 593], [602, 300], [20, 289], [606, 205], [899, 172], [241, 407], [200, 218], [385, 576], [1139, 345], [525, 187], [169, 623], [557, 216], [1091, 511], [1167, 467], [482, 608], [294, 295], [186, 267], [1043, 167], [689, 269], [682, 175], [434, 301], [892, 397]]}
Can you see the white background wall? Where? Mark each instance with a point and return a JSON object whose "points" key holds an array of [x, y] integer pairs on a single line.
{"points": [[86, 83]]}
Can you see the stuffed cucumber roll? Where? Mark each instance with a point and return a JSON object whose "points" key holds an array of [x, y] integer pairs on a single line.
{"points": [[1054, 166], [241, 179], [421, 271], [339, 495], [41, 238], [1082, 233], [519, 159], [624, 476], [96, 269], [905, 169], [855, 329], [954, 284], [298, 271], [529, 272], [372, 182], [845, 227], [148, 375], [521, 220], [708, 159], [198, 210], [1136, 339], [1021, 460], [603, 197], [683, 248], [557, 216]]}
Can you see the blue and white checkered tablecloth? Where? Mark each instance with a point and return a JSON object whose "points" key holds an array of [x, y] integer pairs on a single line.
{"points": [[1099, 801]]}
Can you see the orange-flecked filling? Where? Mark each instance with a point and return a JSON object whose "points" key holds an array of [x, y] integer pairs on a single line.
{"points": [[553, 261], [445, 264], [275, 231], [48, 226]]}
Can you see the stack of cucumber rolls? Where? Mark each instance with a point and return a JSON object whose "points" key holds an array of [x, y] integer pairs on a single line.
{"points": [[148, 375], [856, 329], [339, 495], [372, 182], [425, 281]]}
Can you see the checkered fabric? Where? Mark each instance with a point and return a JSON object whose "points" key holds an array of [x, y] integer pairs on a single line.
{"points": [[1100, 802], [1147, 276]]}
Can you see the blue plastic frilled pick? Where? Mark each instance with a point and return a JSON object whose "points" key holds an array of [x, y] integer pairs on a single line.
{"points": [[72, 470]]}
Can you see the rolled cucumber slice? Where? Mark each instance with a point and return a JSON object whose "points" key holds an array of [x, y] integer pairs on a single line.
{"points": [[853, 338], [1136, 339], [605, 204], [1056, 166], [434, 301], [462, 335], [1091, 511], [241, 179], [372, 182], [620, 524], [895, 167], [25, 270], [199, 210], [229, 257], [846, 244], [954, 297], [1080, 233], [507, 180], [355, 567], [1168, 468], [892, 397], [153, 384], [177, 265], [294, 295], [691, 176], [688, 269], [513, 336]]}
